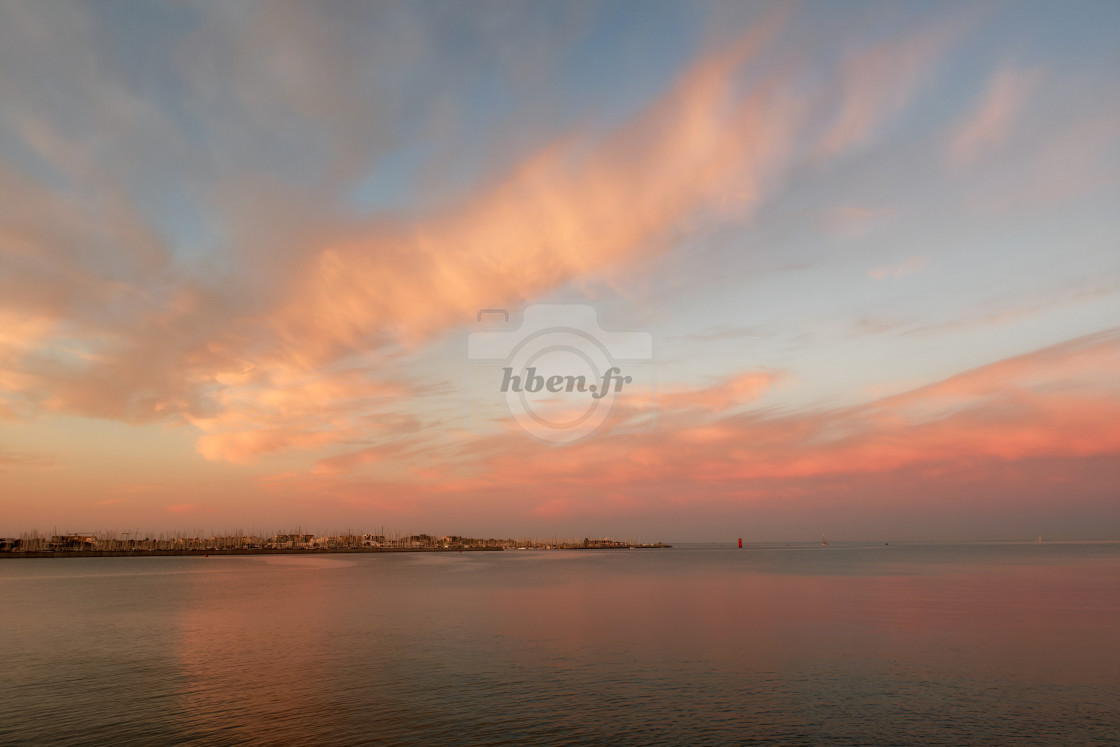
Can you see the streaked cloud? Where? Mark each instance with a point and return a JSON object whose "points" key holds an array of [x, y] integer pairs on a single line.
{"points": [[259, 249], [20, 459], [1061, 401], [725, 395], [854, 220], [990, 124], [908, 266], [879, 81]]}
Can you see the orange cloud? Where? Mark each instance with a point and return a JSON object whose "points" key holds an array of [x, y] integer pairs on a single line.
{"points": [[1062, 402], [574, 207], [370, 455], [735, 391], [19, 459], [180, 508], [258, 371], [264, 364], [285, 406]]}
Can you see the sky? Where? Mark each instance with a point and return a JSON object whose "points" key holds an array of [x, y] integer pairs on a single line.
{"points": [[876, 247]]}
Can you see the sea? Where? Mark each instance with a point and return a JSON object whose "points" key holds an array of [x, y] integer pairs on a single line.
{"points": [[846, 644]]}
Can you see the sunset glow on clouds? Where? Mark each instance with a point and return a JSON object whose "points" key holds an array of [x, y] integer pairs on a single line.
{"points": [[241, 247]]}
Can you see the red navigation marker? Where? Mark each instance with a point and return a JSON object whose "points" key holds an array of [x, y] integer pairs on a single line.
{"points": [[740, 543]]}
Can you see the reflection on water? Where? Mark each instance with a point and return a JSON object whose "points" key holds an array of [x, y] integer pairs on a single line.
{"points": [[921, 644]]}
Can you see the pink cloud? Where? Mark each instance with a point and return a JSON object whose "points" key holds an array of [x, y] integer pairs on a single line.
{"points": [[392, 450], [572, 208], [565, 211], [24, 459], [854, 221], [735, 391], [1059, 402], [181, 508], [995, 114], [878, 82], [261, 370], [906, 267], [1070, 161], [266, 364]]}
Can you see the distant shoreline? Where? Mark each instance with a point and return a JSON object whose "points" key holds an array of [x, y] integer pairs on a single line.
{"points": [[288, 551]]}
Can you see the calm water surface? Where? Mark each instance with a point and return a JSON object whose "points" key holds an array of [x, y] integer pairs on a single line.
{"points": [[846, 644]]}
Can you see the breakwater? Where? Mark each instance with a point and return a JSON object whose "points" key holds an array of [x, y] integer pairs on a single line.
{"points": [[94, 553], [232, 551]]}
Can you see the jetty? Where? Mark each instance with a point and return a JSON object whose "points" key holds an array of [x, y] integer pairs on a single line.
{"points": [[133, 544]]}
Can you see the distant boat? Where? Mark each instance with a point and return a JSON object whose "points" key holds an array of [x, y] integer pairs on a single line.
{"points": [[824, 542]]}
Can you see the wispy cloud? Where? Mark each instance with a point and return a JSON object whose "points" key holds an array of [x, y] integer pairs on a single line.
{"points": [[268, 238], [1061, 401], [908, 266], [989, 125], [10, 459], [261, 374], [854, 220], [724, 333], [1010, 307], [878, 82], [724, 395], [295, 358]]}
